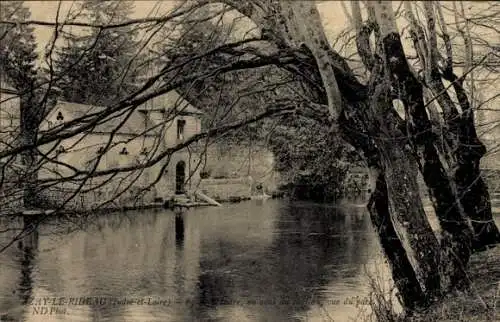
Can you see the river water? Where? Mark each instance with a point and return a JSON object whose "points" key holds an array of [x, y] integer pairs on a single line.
{"points": [[252, 261]]}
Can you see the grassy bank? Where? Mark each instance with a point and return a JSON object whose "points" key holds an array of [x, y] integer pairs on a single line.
{"points": [[479, 303]]}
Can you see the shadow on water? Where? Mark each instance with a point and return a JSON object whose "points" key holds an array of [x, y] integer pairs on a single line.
{"points": [[267, 261], [179, 229], [24, 254], [29, 249]]}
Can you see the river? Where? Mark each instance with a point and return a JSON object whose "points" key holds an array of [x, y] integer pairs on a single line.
{"points": [[252, 261]]}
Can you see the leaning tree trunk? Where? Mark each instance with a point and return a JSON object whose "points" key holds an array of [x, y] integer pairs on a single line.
{"points": [[407, 279], [411, 292], [373, 107], [404, 232], [456, 231]]}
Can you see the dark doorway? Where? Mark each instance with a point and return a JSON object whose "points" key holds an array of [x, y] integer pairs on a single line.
{"points": [[180, 177]]}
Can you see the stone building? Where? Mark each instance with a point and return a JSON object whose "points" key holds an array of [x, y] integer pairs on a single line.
{"points": [[126, 140]]}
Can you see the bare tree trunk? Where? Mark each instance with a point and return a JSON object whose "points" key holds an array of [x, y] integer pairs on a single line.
{"points": [[462, 148], [408, 216], [472, 190], [395, 206], [28, 136], [411, 293], [457, 232]]}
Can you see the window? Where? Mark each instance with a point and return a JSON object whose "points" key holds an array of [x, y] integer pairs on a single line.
{"points": [[50, 124], [124, 151], [59, 116], [144, 151], [180, 129]]}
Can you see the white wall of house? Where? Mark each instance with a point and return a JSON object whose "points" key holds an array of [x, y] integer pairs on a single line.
{"points": [[81, 151]]}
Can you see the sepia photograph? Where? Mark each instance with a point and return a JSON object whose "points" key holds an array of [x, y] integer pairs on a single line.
{"points": [[249, 160]]}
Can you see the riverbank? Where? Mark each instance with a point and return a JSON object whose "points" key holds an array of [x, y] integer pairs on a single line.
{"points": [[480, 303], [174, 202]]}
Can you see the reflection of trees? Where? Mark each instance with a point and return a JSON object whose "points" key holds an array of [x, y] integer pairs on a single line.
{"points": [[130, 255], [130, 259], [302, 250], [179, 230], [214, 289], [24, 258], [326, 250], [316, 246], [29, 247]]}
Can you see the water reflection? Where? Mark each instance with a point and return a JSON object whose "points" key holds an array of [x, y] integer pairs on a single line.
{"points": [[17, 264], [244, 262], [179, 229], [29, 249]]}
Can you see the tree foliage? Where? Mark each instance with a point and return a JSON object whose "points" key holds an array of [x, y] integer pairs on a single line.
{"points": [[314, 163], [96, 67], [17, 45]]}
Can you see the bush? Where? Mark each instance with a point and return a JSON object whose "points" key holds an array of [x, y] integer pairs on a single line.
{"points": [[311, 158], [205, 174]]}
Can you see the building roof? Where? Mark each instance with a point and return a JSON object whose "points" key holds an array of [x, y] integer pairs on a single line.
{"points": [[170, 101], [139, 122], [135, 124]]}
